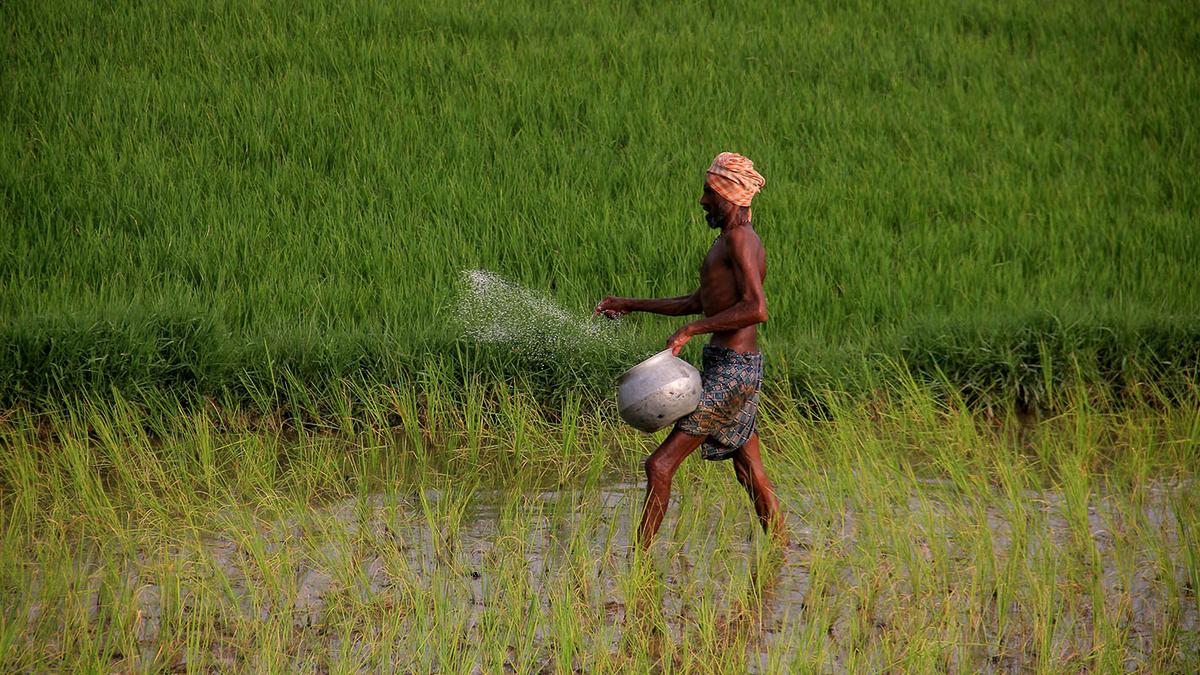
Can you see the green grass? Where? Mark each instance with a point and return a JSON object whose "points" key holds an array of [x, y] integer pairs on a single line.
{"points": [[150, 538], [202, 196]]}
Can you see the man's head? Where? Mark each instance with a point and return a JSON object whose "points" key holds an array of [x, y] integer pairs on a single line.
{"points": [[729, 185]]}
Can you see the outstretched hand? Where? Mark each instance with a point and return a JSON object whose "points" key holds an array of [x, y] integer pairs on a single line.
{"points": [[678, 339], [611, 307]]}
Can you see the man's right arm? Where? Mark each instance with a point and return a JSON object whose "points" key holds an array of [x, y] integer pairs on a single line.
{"points": [[614, 307]]}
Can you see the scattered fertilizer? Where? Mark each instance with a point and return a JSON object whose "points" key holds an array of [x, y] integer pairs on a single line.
{"points": [[493, 310]]}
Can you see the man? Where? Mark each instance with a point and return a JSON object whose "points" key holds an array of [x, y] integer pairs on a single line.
{"points": [[731, 299]]}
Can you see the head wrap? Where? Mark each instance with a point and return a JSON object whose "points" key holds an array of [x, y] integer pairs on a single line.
{"points": [[734, 178]]}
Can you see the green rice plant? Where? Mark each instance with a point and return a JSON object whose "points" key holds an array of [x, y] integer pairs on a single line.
{"points": [[1000, 196], [923, 537], [443, 508]]}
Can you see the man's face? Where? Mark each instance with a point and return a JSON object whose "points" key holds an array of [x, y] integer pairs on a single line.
{"points": [[714, 207]]}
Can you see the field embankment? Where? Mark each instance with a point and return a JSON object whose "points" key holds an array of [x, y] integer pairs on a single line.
{"points": [[205, 196]]}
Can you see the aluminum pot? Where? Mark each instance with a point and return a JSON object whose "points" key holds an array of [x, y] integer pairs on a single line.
{"points": [[658, 391]]}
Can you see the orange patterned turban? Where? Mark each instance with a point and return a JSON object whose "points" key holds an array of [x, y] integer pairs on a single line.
{"points": [[734, 178]]}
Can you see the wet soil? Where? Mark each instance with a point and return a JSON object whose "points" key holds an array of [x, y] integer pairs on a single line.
{"points": [[475, 532]]}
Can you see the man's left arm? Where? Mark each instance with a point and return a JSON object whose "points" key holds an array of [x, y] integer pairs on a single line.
{"points": [[751, 307]]}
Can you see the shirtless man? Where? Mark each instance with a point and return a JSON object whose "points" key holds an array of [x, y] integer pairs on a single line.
{"points": [[731, 299]]}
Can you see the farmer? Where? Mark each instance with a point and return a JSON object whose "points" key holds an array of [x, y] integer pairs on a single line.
{"points": [[731, 299]]}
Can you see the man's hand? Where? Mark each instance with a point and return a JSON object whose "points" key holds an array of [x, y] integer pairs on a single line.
{"points": [[678, 339], [612, 307]]}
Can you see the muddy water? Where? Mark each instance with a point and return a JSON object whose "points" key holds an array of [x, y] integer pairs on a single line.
{"points": [[710, 546]]}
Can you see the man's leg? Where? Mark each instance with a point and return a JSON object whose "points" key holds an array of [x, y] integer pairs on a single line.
{"points": [[747, 465], [660, 467]]}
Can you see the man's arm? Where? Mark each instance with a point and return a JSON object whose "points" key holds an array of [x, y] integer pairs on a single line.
{"points": [[678, 306], [751, 307]]}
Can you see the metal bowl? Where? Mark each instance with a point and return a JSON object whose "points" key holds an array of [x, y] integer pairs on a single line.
{"points": [[658, 391]]}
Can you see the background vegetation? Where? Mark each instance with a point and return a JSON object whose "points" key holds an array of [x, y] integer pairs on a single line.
{"points": [[206, 195]]}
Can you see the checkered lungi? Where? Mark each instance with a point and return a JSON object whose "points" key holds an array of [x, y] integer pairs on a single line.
{"points": [[728, 405]]}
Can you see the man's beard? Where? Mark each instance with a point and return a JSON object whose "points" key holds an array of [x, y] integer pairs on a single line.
{"points": [[714, 219]]}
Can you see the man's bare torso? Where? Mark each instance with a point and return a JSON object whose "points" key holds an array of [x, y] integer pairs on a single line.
{"points": [[719, 289]]}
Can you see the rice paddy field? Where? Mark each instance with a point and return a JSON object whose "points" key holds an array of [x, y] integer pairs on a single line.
{"points": [[243, 427], [491, 537], [191, 191]]}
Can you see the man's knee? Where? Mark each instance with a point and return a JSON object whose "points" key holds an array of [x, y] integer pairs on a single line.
{"points": [[658, 468], [752, 474], [741, 468]]}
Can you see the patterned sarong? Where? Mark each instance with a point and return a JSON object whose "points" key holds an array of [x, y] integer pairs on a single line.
{"points": [[729, 402]]}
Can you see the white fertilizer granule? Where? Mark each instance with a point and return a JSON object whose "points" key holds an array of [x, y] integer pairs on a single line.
{"points": [[492, 309]]}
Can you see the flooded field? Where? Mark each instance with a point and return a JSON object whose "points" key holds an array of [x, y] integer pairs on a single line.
{"points": [[567, 551], [439, 560], [916, 544]]}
